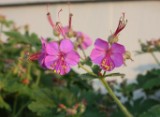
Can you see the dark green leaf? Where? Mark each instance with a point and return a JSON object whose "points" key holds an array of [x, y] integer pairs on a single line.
{"points": [[3, 104], [152, 112]]}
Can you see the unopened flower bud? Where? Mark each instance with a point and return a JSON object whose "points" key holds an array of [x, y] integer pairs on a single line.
{"points": [[2, 18], [76, 106], [151, 42], [25, 81], [127, 55], [34, 56], [62, 106], [82, 108], [71, 111], [56, 33], [71, 34], [157, 43], [113, 39]]}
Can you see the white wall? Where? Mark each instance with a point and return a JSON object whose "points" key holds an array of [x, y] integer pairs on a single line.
{"points": [[97, 20]]}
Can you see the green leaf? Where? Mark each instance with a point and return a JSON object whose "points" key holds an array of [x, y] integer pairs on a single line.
{"points": [[152, 112], [96, 69], [115, 74], [128, 89], [3, 104], [87, 61], [16, 37], [42, 105], [151, 83], [7, 23], [142, 105], [87, 76]]}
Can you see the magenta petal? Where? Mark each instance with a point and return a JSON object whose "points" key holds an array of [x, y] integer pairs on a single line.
{"points": [[43, 42], [65, 70], [72, 58], [79, 34], [117, 48], [65, 29], [61, 67], [42, 60], [97, 55], [117, 59], [66, 45], [52, 48], [86, 42], [107, 64], [101, 44], [49, 60]]}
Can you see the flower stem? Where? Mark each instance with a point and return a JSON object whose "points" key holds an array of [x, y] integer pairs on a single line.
{"points": [[38, 79], [21, 109], [85, 56], [123, 108], [155, 58], [111, 93], [28, 71], [1, 26], [15, 105], [87, 70]]}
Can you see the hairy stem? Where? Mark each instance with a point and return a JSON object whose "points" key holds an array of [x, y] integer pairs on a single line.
{"points": [[85, 56], [1, 29], [111, 93], [87, 70], [28, 71], [15, 105], [155, 58], [38, 79], [21, 109]]}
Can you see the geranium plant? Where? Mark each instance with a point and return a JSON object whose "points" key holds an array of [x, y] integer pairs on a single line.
{"points": [[61, 54], [53, 88]]}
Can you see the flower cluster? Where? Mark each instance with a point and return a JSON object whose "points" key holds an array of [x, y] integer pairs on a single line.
{"points": [[150, 46], [154, 42], [60, 55]]}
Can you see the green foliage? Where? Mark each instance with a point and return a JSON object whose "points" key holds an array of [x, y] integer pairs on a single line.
{"points": [[96, 69], [148, 83], [150, 46], [28, 90], [87, 61], [4, 105], [152, 112]]}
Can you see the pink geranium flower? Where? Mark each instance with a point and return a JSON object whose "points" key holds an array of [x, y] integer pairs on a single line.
{"points": [[106, 55], [84, 41], [61, 56]]}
